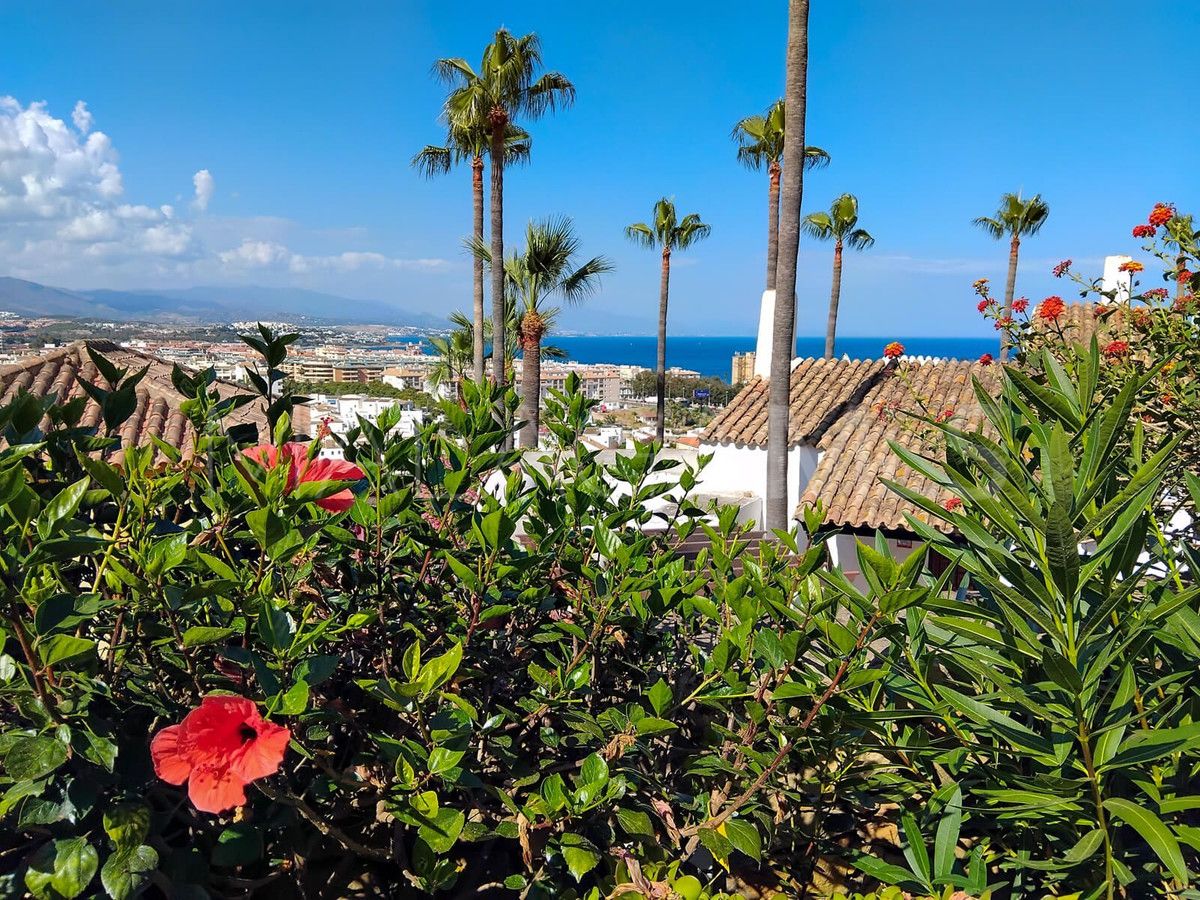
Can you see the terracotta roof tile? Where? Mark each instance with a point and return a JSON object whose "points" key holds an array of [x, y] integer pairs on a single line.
{"points": [[856, 454], [156, 411], [821, 390]]}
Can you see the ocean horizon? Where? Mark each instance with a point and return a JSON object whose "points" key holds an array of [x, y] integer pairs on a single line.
{"points": [[713, 356]]}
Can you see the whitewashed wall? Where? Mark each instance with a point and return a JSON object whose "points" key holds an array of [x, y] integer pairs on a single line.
{"points": [[743, 469]]}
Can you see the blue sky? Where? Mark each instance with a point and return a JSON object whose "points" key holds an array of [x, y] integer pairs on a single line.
{"points": [[305, 116]]}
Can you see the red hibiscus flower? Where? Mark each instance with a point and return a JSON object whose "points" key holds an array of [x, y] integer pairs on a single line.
{"points": [[952, 504], [986, 359], [894, 350], [218, 749], [1131, 266], [1051, 308], [1161, 214], [1021, 304], [1143, 231], [1116, 348], [1062, 268], [302, 469]]}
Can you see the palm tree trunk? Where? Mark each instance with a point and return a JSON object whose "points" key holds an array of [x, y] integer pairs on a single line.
{"points": [[497, 121], [783, 338], [773, 224], [477, 198], [1010, 289], [835, 294], [660, 373], [531, 390]]}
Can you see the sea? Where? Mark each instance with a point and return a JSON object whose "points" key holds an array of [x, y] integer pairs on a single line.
{"points": [[714, 355]]}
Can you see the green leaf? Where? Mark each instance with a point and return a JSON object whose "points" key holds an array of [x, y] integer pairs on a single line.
{"points": [[1153, 832], [127, 824], [653, 725], [635, 822], [443, 831], [946, 839], [594, 770], [660, 696], [199, 635], [579, 854], [64, 505], [443, 760], [1085, 846], [267, 526], [914, 849], [34, 757], [66, 650], [1061, 672], [62, 869], [275, 627], [744, 836], [127, 872]]}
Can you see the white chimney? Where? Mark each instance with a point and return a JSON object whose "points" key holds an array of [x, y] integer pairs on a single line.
{"points": [[1115, 279], [766, 329]]}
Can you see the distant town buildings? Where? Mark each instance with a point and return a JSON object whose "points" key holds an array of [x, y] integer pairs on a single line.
{"points": [[743, 367]]}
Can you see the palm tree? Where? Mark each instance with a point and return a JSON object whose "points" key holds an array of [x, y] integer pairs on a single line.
{"points": [[760, 142], [505, 87], [840, 225], [1015, 219], [453, 354], [469, 141], [668, 233], [783, 332], [545, 268]]}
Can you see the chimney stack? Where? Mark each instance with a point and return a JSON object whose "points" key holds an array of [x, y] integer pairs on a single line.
{"points": [[766, 329], [1115, 279]]}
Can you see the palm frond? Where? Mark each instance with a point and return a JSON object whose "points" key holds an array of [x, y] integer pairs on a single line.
{"points": [[816, 158], [454, 71], [641, 234], [817, 225], [859, 239], [993, 227]]}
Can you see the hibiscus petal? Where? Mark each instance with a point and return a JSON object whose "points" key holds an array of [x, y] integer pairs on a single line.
{"points": [[213, 730], [215, 789], [324, 469], [170, 763], [263, 454], [262, 755], [339, 502]]}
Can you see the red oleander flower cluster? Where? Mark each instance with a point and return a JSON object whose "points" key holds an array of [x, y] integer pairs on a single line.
{"points": [[1116, 348], [980, 285], [951, 504], [1051, 308], [1131, 266], [983, 304], [1155, 293], [1061, 269], [1161, 214], [1141, 317], [302, 469], [894, 350], [1003, 322], [986, 359], [1020, 304], [1184, 277], [1184, 303], [1143, 231], [218, 749], [945, 415]]}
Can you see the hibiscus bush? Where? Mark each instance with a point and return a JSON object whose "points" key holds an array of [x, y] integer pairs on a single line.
{"points": [[430, 667], [433, 667]]}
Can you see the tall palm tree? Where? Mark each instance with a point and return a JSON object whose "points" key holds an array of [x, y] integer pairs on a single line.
{"points": [[669, 233], [506, 87], [545, 268], [760, 142], [1015, 219], [783, 332], [839, 225], [470, 141]]}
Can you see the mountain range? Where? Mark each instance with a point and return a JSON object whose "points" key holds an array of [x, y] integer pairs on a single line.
{"points": [[203, 305]]}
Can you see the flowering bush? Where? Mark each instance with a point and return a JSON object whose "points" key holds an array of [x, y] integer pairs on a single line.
{"points": [[492, 674]]}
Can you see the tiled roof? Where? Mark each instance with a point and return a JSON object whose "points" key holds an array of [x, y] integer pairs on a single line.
{"points": [[856, 452], [157, 412], [821, 390]]}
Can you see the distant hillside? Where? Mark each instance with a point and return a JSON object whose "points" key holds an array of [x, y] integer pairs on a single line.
{"points": [[202, 304]]}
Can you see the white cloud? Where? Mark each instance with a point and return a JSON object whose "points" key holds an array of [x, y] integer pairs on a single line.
{"points": [[82, 117], [204, 185], [251, 254], [65, 219]]}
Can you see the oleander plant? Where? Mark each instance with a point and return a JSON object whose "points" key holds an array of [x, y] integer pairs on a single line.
{"points": [[428, 666]]}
